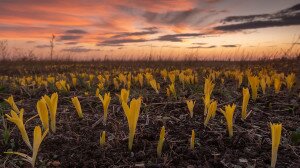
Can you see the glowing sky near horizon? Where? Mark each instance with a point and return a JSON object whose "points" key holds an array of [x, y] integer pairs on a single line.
{"points": [[137, 28]]}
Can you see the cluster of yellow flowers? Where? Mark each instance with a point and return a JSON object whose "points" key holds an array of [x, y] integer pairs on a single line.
{"points": [[116, 79]]}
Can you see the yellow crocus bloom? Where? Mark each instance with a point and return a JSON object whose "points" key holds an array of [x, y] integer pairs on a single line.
{"points": [[18, 120], [97, 92], [42, 110], [154, 84], [11, 102], [277, 84], [74, 81], [172, 77], [116, 83], [161, 141], [52, 106], [62, 85], [164, 74], [263, 85], [38, 137], [276, 136], [254, 83], [190, 105], [211, 112], [246, 97], [77, 105], [290, 81], [168, 92], [172, 89], [208, 88], [132, 115], [124, 96], [228, 113], [105, 102], [141, 79]]}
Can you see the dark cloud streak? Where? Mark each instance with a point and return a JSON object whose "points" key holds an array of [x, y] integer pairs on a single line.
{"points": [[286, 17]]}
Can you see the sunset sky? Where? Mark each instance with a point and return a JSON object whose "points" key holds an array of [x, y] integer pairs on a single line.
{"points": [[160, 28]]}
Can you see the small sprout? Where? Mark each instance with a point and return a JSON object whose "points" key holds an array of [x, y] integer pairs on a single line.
{"points": [[102, 138], [263, 85], [161, 141], [172, 89], [277, 84], [211, 112], [191, 105], [192, 141], [77, 105], [254, 83], [208, 88], [246, 96], [154, 85], [290, 81], [105, 102]]}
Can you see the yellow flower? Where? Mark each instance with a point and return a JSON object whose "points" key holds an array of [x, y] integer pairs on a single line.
{"points": [[102, 139], [290, 81], [190, 105], [18, 120], [140, 79], [182, 78], [277, 84], [77, 105], [254, 83], [172, 89], [228, 113], [276, 136], [263, 85], [246, 96], [192, 141], [268, 80], [211, 112], [116, 83], [164, 74], [124, 96], [37, 140], [172, 77], [168, 92], [51, 79], [62, 85], [132, 115], [154, 85], [52, 106], [208, 88], [97, 92], [11, 102], [105, 102], [161, 141], [42, 110], [100, 86], [74, 81]]}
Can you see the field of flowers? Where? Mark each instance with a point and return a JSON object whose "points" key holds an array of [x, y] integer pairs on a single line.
{"points": [[150, 114]]}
